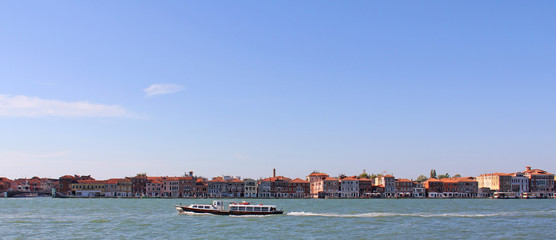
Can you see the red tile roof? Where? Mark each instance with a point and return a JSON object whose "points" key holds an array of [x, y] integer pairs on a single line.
{"points": [[299, 180], [217, 179], [113, 180], [318, 174], [350, 178], [278, 178], [537, 172], [3, 179]]}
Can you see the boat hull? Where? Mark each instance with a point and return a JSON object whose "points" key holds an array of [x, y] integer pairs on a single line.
{"points": [[185, 209]]}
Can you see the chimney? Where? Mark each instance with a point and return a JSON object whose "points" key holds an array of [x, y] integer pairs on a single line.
{"points": [[274, 172], [191, 173], [528, 168]]}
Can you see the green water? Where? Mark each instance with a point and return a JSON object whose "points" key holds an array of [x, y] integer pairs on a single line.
{"points": [[46, 218]]}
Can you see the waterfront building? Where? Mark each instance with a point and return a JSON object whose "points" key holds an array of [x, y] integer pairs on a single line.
{"points": [[123, 187], [263, 188], [389, 183], [170, 187], [404, 187], [5, 184], [153, 187], [467, 187], [484, 192], [449, 187], [315, 180], [330, 187], [139, 185], [186, 185], [88, 188], [236, 188], [349, 187], [217, 187], [280, 187], [540, 182], [275, 187], [378, 191], [520, 183], [498, 182], [365, 187], [64, 182], [419, 191], [20, 185], [30, 185], [434, 187], [200, 188], [250, 188], [111, 187], [301, 188]]}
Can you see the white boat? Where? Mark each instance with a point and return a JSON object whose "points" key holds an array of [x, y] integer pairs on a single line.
{"points": [[219, 207]]}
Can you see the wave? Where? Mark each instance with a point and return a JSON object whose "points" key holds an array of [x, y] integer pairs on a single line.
{"points": [[424, 215], [192, 213], [251, 216], [99, 221]]}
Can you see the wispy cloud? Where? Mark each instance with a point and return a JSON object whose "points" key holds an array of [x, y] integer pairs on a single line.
{"points": [[24, 106], [162, 88]]}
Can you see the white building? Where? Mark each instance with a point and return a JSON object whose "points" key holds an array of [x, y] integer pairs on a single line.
{"points": [[349, 187], [418, 190], [520, 183], [250, 188], [389, 183], [263, 188]]}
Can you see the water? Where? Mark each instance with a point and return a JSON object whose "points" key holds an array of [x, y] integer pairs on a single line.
{"points": [[46, 218]]}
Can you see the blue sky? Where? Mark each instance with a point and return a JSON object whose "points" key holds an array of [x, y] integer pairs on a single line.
{"points": [[240, 87]]}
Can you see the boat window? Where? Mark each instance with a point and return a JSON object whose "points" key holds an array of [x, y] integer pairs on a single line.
{"points": [[241, 208], [250, 209], [207, 207], [265, 209], [194, 206], [234, 209], [257, 209]]}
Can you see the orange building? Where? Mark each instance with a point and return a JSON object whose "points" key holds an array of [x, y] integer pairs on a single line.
{"points": [[315, 180]]}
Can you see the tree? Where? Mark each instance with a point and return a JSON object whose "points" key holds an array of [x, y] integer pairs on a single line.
{"points": [[422, 178], [447, 175], [433, 173], [141, 175], [457, 175], [364, 175]]}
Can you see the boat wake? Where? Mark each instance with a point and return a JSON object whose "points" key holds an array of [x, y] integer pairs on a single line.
{"points": [[195, 214], [424, 215], [251, 216]]}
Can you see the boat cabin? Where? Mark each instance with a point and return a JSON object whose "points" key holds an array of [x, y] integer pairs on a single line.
{"points": [[202, 206], [252, 208]]}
